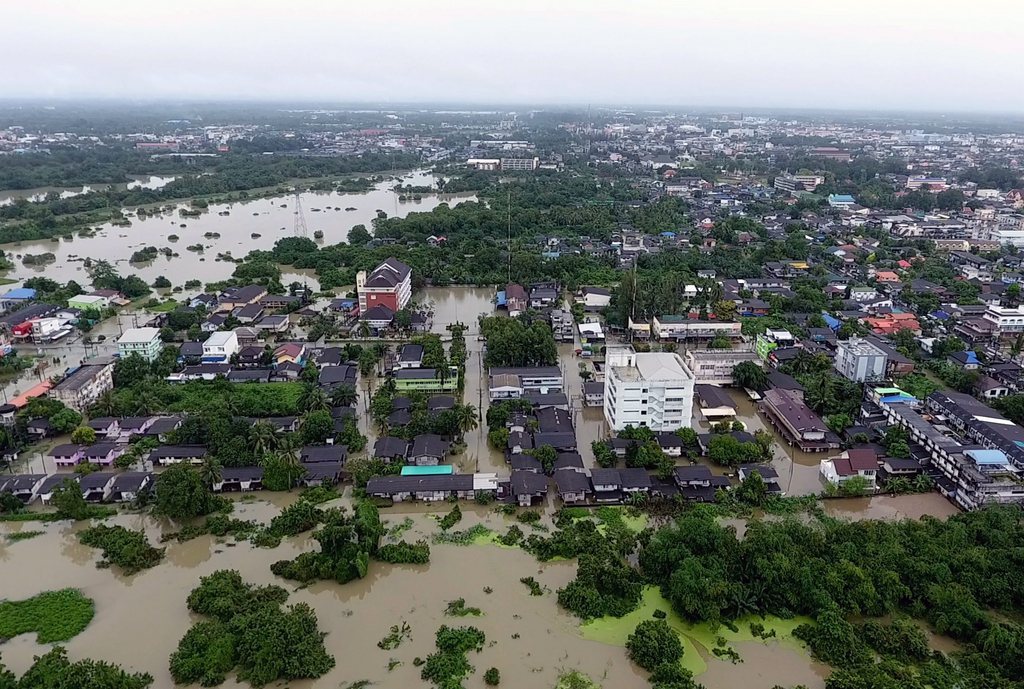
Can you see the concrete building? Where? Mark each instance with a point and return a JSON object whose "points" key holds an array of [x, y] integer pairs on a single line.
{"points": [[142, 341], [714, 366], [792, 183], [648, 389], [219, 347], [860, 361], [520, 164], [83, 386], [516, 381], [390, 285], [669, 327], [1007, 320], [89, 301], [785, 409]]}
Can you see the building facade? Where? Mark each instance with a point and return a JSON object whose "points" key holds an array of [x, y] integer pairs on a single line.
{"points": [[860, 361], [389, 284], [647, 389], [142, 341], [82, 387]]}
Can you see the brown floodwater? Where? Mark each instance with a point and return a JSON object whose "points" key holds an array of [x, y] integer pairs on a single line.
{"points": [[271, 218], [40, 193], [140, 618], [763, 666]]}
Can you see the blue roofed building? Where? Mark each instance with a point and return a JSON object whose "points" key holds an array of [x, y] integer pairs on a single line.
{"points": [[841, 201], [17, 297]]}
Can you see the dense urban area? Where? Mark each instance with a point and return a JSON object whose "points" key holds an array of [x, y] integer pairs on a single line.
{"points": [[665, 399]]}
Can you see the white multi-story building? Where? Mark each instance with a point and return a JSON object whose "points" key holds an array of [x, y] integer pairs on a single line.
{"points": [[647, 389], [1007, 320], [860, 361], [219, 347]]}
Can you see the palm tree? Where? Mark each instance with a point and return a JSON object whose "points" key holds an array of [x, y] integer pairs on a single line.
{"points": [[147, 403], [344, 396], [263, 438], [105, 405], [467, 418], [211, 471], [288, 458], [313, 398]]}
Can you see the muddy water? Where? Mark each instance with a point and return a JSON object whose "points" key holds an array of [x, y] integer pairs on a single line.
{"points": [[765, 665], [139, 619], [40, 193], [271, 218], [798, 471], [891, 507]]}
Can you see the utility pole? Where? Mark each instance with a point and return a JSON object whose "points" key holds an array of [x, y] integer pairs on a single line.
{"points": [[509, 209]]}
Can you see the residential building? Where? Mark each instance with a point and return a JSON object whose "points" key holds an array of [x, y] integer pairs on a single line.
{"points": [[1008, 321], [83, 386], [860, 361], [410, 356], [520, 164], [785, 410], [516, 299], [652, 389], [714, 366], [517, 381], [88, 301], [426, 380], [593, 393], [142, 341], [594, 298], [219, 347], [856, 463], [668, 327], [389, 284]]}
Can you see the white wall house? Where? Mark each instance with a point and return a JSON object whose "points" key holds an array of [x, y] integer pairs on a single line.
{"points": [[647, 389], [219, 346]]}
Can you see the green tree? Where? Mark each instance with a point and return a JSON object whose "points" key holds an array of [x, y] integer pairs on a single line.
{"points": [[83, 435], [313, 398], [317, 427], [654, 643], [181, 493], [69, 501], [749, 375], [546, 455], [65, 420]]}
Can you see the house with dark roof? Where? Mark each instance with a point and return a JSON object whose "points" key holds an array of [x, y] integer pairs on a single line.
{"points": [[767, 474], [391, 449], [527, 487], [130, 485], [322, 473], [563, 441], [67, 455], [525, 462], [315, 454], [239, 480], [573, 486], [334, 376], [96, 486], [861, 463], [25, 487], [607, 485], [51, 483], [634, 480], [388, 285], [166, 455], [409, 356], [427, 450], [430, 488], [569, 461], [786, 411]]}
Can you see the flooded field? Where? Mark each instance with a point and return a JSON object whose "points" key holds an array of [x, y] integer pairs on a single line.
{"points": [[235, 223], [40, 193], [139, 619]]}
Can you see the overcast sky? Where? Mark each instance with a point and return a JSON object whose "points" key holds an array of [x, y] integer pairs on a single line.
{"points": [[864, 54]]}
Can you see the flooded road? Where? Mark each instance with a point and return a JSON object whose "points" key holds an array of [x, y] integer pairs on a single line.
{"points": [[235, 223]]}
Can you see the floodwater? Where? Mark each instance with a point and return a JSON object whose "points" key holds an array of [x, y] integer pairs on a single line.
{"points": [[40, 193], [139, 619], [891, 507], [236, 223]]}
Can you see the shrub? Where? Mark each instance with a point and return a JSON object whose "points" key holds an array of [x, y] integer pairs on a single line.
{"points": [[417, 553], [654, 643], [451, 519], [123, 547], [53, 616], [492, 677]]}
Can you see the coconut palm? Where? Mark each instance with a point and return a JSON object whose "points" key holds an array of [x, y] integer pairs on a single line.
{"points": [[344, 396], [286, 457], [211, 471], [263, 438], [313, 398], [147, 403], [105, 405], [467, 418]]}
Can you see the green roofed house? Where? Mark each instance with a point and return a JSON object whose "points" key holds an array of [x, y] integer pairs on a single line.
{"points": [[426, 380], [438, 470]]}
